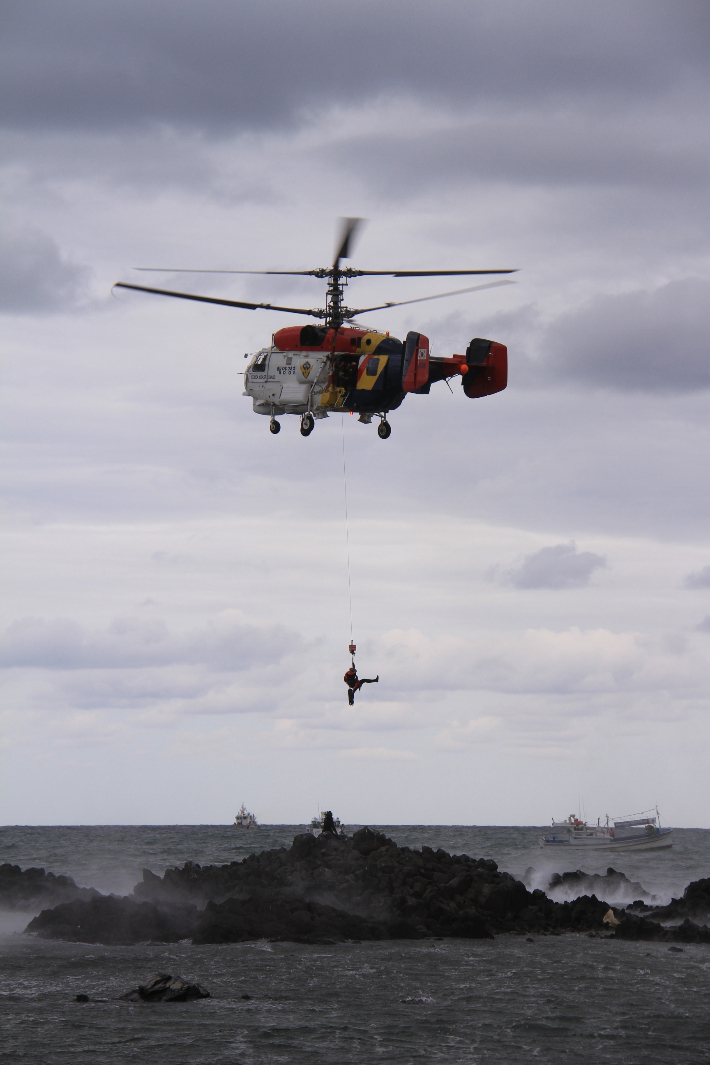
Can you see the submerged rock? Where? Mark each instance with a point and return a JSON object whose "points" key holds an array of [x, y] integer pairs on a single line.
{"points": [[165, 988]]}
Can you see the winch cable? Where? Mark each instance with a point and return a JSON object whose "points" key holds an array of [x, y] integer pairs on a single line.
{"points": [[347, 532]]}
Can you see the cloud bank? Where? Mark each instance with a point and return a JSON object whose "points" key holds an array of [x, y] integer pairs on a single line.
{"points": [[175, 614]]}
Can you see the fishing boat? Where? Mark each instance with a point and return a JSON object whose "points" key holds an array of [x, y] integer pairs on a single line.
{"points": [[634, 833], [244, 819], [316, 825]]}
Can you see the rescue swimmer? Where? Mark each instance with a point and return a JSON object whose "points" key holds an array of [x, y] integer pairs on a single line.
{"points": [[354, 683]]}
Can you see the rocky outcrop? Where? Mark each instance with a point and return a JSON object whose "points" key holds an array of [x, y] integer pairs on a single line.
{"points": [[642, 928], [237, 920], [614, 887], [367, 876], [642, 919], [694, 905], [396, 890], [115, 921], [678, 922], [32, 889], [329, 889], [165, 988]]}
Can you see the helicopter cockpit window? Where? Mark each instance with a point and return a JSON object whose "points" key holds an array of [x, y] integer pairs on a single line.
{"points": [[259, 364]]}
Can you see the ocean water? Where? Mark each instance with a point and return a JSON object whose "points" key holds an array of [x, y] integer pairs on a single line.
{"points": [[556, 999]]}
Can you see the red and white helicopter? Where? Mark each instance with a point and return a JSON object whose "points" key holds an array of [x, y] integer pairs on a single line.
{"points": [[313, 370]]}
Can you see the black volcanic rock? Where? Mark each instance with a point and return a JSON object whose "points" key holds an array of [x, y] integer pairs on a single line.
{"points": [[236, 920], [695, 904], [611, 886], [165, 988], [330, 888], [334, 889], [584, 914], [641, 928], [367, 875], [393, 891], [114, 921], [33, 889]]}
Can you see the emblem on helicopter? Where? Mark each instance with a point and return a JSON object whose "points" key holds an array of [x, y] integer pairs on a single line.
{"points": [[344, 377]]}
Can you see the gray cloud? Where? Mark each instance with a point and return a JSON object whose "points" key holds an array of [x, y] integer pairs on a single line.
{"points": [[564, 139], [704, 625], [542, 660], [36, 277], [64, 644], [580, 146], [699, 579], [84, 64], [560, 566], [639, 341]]}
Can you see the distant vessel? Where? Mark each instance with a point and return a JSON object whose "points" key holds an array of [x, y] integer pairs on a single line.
{"points": [[316, 826], [244, 819], [637, 834]]}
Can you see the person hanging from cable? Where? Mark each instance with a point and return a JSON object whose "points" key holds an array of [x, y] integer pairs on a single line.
{"points": [[351, 678], [353, 681]]}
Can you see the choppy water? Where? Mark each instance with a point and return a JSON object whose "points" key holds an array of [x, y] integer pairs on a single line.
{"points": [[556, 999]]}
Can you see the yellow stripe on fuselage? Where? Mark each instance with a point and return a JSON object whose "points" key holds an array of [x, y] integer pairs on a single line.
{"points": [[367, 381]]}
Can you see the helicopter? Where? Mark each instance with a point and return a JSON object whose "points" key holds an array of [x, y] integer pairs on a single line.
{"points": [[341, 366]]}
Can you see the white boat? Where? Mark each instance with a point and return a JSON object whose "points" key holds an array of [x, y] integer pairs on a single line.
{"points": [[316, 825], [244, 819], [636, 833]]}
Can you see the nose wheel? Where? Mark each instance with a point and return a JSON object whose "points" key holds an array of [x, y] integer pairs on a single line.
{"points": [[307, 424], [384, 429], [274, 426]]}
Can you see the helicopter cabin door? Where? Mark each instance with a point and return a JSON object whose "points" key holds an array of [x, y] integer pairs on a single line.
{"points": [[415, 364], [274, 379]]}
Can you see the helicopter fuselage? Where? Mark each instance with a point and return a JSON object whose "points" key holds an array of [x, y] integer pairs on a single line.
{"points": [[315, 370]]}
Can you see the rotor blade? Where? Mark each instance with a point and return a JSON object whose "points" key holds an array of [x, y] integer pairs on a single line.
{"points": [[223, 303], [186, 270], [348, 229], [422, 299], [427, 273]]}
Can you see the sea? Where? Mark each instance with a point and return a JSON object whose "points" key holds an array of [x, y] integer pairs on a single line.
{"points": [[513, 999]]}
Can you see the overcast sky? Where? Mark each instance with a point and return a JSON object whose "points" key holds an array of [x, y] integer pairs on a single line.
{"points": [[530, 571]]}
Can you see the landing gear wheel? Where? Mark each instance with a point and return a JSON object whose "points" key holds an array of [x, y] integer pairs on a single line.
{"points": [[307, 424], [274, 426], [384, 429]]}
